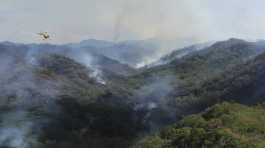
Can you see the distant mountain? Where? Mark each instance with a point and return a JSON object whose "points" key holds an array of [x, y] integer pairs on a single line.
{"points": [[89, 58], [92, 43], [136, 53], [127, 52]]}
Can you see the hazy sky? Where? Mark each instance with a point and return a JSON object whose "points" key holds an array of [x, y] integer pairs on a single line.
{"points": [[75, 20]]}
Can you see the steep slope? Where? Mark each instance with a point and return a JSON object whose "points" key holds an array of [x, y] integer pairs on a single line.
{"points": [[91, 113], [189, 73], [197, 67], [244, 83], [179, 53], [210, 61], [201, 73], [56, 101], [227, 125]]}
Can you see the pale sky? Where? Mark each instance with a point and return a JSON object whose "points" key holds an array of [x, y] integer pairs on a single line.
{"points": [[117, 20]]}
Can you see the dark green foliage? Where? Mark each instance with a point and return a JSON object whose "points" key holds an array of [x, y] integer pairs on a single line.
{"points": [[207, 63], [94, 115], [103, 125], [200, 77], [90, 113], [244, 83]]}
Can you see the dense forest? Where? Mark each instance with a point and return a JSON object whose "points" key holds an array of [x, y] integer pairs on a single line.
{"points": [[83, 95]]}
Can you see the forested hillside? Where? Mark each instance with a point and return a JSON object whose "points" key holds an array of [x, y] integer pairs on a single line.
{"points": [[66, 96]]}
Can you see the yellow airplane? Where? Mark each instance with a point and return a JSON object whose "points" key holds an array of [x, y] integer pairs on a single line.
{"points": [[44, 35]]}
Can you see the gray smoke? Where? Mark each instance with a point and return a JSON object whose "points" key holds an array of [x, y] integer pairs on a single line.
{"points": [[79, 55], [155, 96], [17, 130], [89, 61], [20, 92]]}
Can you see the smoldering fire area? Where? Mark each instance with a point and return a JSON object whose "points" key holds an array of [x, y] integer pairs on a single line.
{"points": [[132, 74]]}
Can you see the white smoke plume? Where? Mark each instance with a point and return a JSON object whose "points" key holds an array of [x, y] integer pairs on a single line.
{"points": [[88, 60]]}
